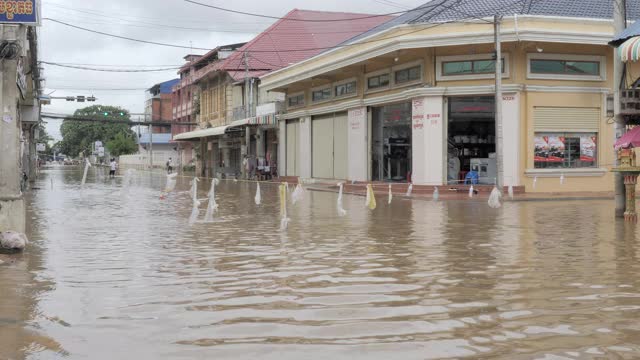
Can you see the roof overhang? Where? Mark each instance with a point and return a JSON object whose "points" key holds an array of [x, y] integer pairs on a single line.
{"points": [[197, 134], [335, 59]]}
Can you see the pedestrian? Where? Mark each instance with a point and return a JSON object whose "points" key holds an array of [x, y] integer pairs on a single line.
{"points": [[169, 166], [113, 166]]}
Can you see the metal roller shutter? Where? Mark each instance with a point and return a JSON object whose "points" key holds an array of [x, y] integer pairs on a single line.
{"points": [[566, 119], [322, 147], [340, 146]]}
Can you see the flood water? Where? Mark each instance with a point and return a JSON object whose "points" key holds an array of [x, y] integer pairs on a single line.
{"points": [[115, 272]]}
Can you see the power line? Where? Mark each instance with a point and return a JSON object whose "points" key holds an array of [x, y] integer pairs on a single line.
{"points": [[169, 27], [305, 20], [124, 37], [108, 70], [94, 89], [136, 18], [114, 65]]}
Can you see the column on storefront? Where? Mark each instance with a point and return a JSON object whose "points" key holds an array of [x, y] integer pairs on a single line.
{"points": [[511, 138], [282, 149], [428, 134], [357, 144], [304, 143]]}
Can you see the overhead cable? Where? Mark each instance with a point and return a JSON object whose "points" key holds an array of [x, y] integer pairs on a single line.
{"points": [[308, 20], [108, 70], [124, 37]]}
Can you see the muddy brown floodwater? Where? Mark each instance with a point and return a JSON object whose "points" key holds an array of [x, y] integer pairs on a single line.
{"points": [[114, 272]]}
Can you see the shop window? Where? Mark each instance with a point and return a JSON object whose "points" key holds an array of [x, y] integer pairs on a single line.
{"points": [[565, 67], [470, 67], [408, 75], [378, 81], [348, 88], [565, 150], [296, 100], [320, 95]]}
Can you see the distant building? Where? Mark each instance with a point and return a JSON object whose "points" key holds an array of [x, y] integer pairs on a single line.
{"points": [[161, 147], [237, 130], [158, 105], [185, 100]]}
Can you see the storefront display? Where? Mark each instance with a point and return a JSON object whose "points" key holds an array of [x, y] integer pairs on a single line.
{"points": [[391, 142], [471, 136], [565, 150]]}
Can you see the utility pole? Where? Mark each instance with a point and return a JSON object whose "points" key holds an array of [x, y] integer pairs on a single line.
{"points": [[151, 147], [247, 133], [619, 24], [498, 105]]}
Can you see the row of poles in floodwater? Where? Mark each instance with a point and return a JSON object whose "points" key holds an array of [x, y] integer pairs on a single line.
{"points": [[495, 198], [296, 196]]}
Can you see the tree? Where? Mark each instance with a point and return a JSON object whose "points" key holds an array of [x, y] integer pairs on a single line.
{"points": [[78, 136], [122, 144], [44, 138]]}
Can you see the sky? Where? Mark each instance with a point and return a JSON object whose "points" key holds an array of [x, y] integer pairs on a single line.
{"points": [[151, 20]]}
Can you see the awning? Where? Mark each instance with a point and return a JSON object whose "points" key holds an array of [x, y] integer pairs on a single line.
{"points": [[202, 133], [630, 139], [270, 119], [630, 50]]}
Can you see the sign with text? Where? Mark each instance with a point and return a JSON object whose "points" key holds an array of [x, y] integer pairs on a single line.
{"points": [[417, 114], [19, 12]]}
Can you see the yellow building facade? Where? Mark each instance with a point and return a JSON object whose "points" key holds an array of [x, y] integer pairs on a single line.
{"points": [[416, 103]]}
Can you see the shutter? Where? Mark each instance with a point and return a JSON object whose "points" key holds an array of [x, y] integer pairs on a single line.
{"points": [[566, 119], [340, 145], [322, 147]]}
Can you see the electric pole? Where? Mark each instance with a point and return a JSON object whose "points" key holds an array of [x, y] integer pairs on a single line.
{"points": [[498, 105], [619, 24]]}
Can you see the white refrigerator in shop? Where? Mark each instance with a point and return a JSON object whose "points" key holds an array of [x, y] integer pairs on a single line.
{"points": [[486, 168]]}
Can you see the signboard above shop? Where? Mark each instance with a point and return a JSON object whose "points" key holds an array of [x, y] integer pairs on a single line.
{"points": [[19, 12]]}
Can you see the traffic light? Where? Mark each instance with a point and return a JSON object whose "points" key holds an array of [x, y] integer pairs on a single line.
{"points": [[80, 98], [91, 98], [121, 113], [106, 113]]}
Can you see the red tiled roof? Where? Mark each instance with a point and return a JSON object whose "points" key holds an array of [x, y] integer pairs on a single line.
{"points": [[267, 51]]}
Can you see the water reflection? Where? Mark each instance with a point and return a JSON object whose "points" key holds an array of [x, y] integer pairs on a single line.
{"points": [[113, 265]]}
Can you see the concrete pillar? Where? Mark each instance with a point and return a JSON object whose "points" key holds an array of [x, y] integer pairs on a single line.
{"points": [[304, 142], [358, 144], [12, 206], [33, 155], [428, 143], [260, 141], [511, 139], [282, 148]]}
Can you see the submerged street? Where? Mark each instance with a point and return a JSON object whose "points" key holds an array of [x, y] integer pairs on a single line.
{"points": [[113, 271]]}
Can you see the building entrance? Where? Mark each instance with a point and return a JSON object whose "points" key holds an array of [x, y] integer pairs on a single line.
{"points": [[471, 140]]}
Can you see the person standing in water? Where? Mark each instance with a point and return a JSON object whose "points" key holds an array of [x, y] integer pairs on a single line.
{"points": [[169, 166], [112, 168]]}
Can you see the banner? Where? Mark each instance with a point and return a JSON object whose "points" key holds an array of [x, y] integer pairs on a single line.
{"points": [[19, 12], [541, 150], [588, 148], [556, 149]]}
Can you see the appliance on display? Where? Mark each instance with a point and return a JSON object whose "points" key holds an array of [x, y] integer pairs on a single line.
{"points": [[486, 168], [398, 153]]}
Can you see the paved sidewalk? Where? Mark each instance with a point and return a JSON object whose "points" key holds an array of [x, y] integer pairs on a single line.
{"points": [[445, 194]]}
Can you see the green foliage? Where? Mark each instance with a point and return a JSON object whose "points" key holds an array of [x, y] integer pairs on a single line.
{"points": [[122, 144], [45, 138], [78, 136]]}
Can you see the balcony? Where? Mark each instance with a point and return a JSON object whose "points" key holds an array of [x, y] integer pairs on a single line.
{"points": [[241, 112], [630, 102]]}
